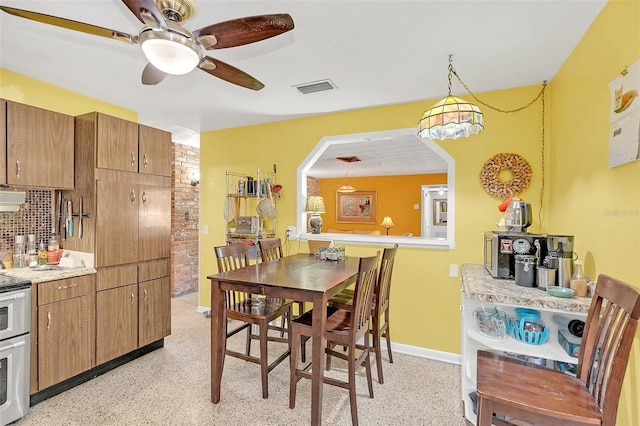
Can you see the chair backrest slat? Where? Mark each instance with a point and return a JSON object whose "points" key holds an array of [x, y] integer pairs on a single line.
{"points": [[606, 343], [384, 279], [363, 294], [270, 249], [229, 258]]}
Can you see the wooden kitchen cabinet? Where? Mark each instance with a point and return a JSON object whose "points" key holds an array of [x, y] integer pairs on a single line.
{"points": [[123, 174], [3, 142], [116, 142], [65, 329], [133, 222], [128, 146], [39, 147], [155, 151], [154, 316], [116, 322], [130, 315]]}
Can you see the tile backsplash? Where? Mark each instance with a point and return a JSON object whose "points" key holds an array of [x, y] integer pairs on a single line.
{"points": [[34, 217]]}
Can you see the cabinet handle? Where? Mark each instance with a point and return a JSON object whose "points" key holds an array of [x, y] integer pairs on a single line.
{"points": [[17, 169], [48, 320], [144, 196], [133, 196], [145, 295], [133, 298], [133, 158], [64, 287], [145, 162]]}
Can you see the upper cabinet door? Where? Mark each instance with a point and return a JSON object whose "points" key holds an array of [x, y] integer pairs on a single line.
{"points": [[116, 223], [3, 142], [155, 151], [154, 222], [117, 144], [40, 147]]}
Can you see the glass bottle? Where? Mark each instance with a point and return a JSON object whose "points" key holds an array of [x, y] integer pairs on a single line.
{"points": [[32, 250], [578, 280], [19, 252], [53, 242]]}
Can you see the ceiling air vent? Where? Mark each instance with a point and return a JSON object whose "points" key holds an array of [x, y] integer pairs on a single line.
{"points": [[316, 86], [353, 159]]}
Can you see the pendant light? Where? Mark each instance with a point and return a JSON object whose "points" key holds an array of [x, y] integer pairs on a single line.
{"points": [[346, 188], [451, 118]]}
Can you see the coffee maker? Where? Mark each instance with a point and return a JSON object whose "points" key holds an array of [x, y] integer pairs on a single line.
{"points": [[502, 248], [560, 256]]}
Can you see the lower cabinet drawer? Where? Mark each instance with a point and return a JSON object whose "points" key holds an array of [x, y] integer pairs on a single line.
{"points": [[55, 291]]}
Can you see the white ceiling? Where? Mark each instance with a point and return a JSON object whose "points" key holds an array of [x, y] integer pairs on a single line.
{"points": [[376, 52]]}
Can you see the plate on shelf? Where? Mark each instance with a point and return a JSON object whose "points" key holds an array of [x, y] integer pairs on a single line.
{"points": [[557, 291]]}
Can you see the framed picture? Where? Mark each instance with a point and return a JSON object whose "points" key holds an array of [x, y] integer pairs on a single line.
{"points": [[356, 207]]}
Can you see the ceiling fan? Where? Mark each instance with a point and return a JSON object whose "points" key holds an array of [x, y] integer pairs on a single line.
{"points": [[170, 48]]}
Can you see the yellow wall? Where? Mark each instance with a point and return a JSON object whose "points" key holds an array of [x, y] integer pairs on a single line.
{"points": [[395, 196], [420, 274], [600, 206], [18, 88]]}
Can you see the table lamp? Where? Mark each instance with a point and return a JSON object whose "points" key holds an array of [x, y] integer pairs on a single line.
{"points": [[387, 223], [315, 206]]}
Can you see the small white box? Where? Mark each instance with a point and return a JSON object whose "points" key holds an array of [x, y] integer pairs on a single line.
{"points": [[70, 262]]}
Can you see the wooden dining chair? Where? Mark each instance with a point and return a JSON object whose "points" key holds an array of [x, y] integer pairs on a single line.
{"points": [[249, 310], [344, 327], [379, 308], [535, 394], [271, 249]]}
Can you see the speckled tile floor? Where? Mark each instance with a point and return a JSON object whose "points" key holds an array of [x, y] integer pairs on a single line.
{"points": [[170, 386]]}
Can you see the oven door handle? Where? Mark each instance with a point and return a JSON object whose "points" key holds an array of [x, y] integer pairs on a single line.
{"points": [[14, 346], [13, 297]]}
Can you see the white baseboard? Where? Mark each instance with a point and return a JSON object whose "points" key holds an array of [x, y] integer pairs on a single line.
{"points": [[433, 354]]}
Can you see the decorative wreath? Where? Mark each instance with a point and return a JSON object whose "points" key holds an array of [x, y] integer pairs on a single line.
{"points": [[519, 167]]}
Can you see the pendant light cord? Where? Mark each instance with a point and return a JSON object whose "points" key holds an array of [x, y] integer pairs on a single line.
{"points": [[507, 111]]}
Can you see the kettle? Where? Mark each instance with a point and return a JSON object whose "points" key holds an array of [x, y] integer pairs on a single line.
{"points": [[518, 216]]}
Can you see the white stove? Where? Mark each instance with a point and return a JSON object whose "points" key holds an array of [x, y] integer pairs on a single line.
{"points": [[15, 315]]}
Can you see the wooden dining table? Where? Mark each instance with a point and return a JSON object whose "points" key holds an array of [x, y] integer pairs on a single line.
{"points": [[300, 277]]}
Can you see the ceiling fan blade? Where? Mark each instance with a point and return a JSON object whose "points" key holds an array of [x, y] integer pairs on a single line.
{"points": [[143, 8], [228, 73], [71, 25], [152, 75], [238, 32]]}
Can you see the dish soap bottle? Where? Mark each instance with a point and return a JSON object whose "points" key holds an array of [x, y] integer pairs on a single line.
{"points": [[42, 253], [578, 281]]}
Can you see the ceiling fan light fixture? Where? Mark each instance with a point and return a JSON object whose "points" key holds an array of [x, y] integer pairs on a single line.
{"points": [[169, 52]]}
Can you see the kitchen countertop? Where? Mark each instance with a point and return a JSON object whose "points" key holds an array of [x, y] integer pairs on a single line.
{"points": [[478, 284], [48, 275]]}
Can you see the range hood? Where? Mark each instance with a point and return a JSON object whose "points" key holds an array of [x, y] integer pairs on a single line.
{"points": [[10, 201]]}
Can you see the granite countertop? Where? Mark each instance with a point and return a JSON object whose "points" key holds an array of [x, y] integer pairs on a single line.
{"points": [[36, 276], [478, 284]]}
